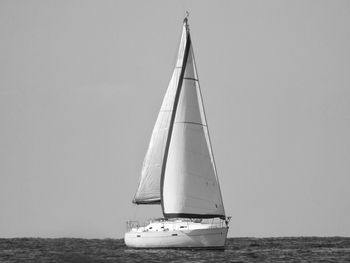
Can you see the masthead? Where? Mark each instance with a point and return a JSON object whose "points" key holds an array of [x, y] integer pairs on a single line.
{"points": [[186, 18]]}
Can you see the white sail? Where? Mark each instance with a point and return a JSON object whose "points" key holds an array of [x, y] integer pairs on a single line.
{"points": [[190, 183], [148, 191]]}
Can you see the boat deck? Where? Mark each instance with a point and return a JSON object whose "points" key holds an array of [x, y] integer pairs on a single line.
{"points": [[175, 225]]}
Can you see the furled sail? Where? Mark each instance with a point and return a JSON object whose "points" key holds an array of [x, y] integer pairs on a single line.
{"points": [[189, 182], [148, 191]]}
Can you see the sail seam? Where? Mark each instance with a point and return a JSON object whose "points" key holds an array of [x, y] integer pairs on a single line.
{"points": [[192, 79], [190, 122]]}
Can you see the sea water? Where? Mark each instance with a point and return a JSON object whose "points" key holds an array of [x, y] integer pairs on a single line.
{"points": [[70, 250]]}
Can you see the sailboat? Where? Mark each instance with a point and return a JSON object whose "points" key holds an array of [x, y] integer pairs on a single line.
{"points": [[179, 171]]}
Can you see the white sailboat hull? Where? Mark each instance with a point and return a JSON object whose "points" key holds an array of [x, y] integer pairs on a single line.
{"points": [[179, 169], [203, 237]]}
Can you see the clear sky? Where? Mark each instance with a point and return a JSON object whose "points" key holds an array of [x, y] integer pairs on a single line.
{"points": [[81, 83]]}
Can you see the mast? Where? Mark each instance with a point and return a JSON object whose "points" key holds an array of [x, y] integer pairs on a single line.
{"points": [[176, 100]]}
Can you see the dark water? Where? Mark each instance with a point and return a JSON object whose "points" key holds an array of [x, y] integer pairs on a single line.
{"points": [[294, 249]]}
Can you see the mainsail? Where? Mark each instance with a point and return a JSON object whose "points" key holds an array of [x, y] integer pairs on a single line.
{"points": [[179, 170]]}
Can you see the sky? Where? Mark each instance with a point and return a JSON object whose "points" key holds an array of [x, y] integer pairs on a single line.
{"points": [[81, 84]]}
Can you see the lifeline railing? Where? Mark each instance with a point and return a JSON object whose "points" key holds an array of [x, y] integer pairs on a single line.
{"points": [[136, 224], [132, 224]]}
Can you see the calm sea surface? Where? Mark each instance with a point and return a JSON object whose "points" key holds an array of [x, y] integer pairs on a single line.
{"points": [[294, 249]]}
